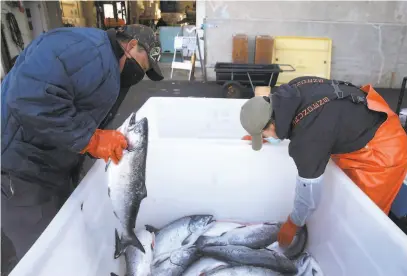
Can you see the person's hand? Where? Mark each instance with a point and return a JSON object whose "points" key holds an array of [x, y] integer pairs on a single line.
{"points": [[249, 138], [107, 144], [287, 232]]}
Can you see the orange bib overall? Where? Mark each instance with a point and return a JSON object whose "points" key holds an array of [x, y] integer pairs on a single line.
{"points": [[379, 168]]}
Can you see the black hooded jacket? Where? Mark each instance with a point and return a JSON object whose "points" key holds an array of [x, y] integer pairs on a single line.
{"points": [[337, 126]]}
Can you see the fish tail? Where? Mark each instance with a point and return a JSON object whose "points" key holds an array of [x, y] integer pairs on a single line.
{"points": [[121, 244], [187, 240], [151, 228], [136, 243]]}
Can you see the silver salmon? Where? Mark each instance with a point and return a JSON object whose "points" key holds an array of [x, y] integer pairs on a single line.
{"points": [[302, 263], [253, 236], [180, 232], [242, 271], [246, 256], [137, 263], [307, 265], [220, 227], [176, 262], [126, 186], [203, 265]]}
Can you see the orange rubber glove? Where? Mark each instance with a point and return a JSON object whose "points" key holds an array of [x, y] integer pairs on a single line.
{"points": [[287, 232], [249, 138], [106, 144]]}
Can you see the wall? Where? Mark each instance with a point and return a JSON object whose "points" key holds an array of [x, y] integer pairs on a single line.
{"points": [[38, 21], [53, 14], [369, 38], [45, 16], [89, 13], [200, 15], [182, 4], [79, 13], [22, 21]]}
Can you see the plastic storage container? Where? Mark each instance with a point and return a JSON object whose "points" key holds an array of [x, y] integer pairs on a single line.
{"points": [[198, 164]]}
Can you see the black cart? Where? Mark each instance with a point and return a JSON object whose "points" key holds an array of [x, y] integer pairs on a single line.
{"points": [[237, 78]]}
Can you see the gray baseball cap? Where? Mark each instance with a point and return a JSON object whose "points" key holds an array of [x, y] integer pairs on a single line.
{"points": [[254, 116], [150, 42]]}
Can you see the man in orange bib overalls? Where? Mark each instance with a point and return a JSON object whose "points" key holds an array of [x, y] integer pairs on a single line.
{"points": [[326, 119]]}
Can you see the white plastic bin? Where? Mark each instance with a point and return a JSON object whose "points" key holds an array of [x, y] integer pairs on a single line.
{"points": [[198, 164]]}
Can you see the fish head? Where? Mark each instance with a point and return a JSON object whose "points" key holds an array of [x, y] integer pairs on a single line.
{"points": [[315, 268], [136, 132], [303, 261], [199, 222]]}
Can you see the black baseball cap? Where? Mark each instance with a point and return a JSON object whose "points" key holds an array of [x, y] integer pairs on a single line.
{"points": [[148, 40]]}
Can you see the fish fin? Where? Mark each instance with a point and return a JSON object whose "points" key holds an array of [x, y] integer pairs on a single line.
{"points": [[314, 272], [161, 258], [223, 233], [239, 227], [82, 206], [117, 245], [108, 191], [269, 249], [121, 244], [220, 267], [201, 242], [187, 240], [153, 241], [113, 274], [151, 229], [136, 243]]}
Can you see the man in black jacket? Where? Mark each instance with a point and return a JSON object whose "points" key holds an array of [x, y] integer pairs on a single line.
{"points": [[55, 102], [326, 119]]}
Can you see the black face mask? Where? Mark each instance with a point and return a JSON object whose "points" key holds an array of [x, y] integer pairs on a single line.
{"points": [[132, 73]]}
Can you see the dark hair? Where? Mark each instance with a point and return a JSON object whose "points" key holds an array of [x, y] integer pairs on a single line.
{"points": [[268, 123]]}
